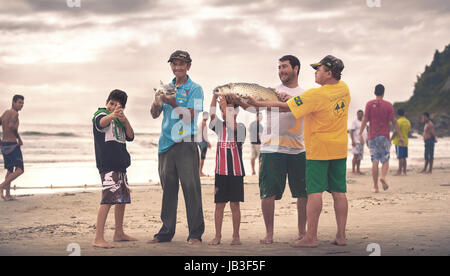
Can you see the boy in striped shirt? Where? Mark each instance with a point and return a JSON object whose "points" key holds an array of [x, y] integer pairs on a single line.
{"points": [[229, 172]]}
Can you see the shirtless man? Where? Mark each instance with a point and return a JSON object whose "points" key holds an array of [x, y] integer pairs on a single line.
{"points": [[429, 137], [10, 145]]}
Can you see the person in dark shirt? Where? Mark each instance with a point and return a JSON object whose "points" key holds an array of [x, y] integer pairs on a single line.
{"points": [[111, 130]]}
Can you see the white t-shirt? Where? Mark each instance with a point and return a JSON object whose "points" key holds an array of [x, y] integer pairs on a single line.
{"points": [[282, 132], [356, 126]]}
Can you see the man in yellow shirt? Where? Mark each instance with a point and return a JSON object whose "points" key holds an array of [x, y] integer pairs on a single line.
{"points": [[402, 150], [325, 111]]}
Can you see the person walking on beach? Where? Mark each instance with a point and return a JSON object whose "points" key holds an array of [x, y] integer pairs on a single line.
{"points": [[112, 130], [325, 111], [229, 173], [256, 130], [378, 114], [178, 156], [401, 150], [429, 137], [357, 146], [204, 144], [283, 152], [10, 145]]}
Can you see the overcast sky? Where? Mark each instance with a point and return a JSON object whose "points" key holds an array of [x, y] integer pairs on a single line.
{"points": [[65, 60]]}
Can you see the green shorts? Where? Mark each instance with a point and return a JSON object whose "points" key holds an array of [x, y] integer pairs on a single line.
{"points": [[326, 175], [273, 170]]}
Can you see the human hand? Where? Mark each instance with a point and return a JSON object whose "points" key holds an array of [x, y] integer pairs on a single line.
{"points": [[361, 139], [168, 99], [284, 97]]}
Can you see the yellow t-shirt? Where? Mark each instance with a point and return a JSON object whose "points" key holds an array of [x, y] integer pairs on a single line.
{"points": [[404, 125], [325, 110]]}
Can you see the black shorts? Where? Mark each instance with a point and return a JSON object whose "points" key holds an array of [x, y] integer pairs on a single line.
{"points": [[12, 156], [228, 188]]}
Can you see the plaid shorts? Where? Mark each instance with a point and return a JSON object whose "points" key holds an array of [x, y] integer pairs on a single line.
{"points": [[380, 148]]}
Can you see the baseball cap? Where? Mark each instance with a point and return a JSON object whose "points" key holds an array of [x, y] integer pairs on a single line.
{"points": [[182, 55], [331, 62]]}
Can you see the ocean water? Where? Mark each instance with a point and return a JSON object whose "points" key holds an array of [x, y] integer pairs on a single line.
{"points": [[62, 157]]}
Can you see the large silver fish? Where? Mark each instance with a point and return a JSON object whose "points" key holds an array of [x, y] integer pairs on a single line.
{"points": [[167, 89], [244, 90]]}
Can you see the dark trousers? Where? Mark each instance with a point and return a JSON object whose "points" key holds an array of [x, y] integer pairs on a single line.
{"points": [[180, 164]]}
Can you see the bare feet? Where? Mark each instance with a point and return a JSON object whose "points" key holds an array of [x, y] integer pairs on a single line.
{"points": [[123, 238], [266, 240], [384, 183], [305, 242], [194, 241], [236, 241], [202, 174], [375, 190], [215, 241], [398, 174], [361, 173], [154, 240], [8, 198], [339, 242], [102, 244]]}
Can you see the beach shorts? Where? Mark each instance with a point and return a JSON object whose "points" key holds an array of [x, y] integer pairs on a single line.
{"points": [[115, 188], [272, 174], [380, 149], [256, 148], [228, 188], [402, 152], [429, 149], [326, 175], [12, 156], [203, 149], [358, 151]]}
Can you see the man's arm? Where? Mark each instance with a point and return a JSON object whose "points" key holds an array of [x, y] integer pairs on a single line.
{"points": [[351, 136], [361, 130], [433, 132], [156, 108], [401, 141], [282, 106]]}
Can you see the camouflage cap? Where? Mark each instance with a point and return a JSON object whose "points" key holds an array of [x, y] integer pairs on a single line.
{"points": [[331, 62], [181, 55]]}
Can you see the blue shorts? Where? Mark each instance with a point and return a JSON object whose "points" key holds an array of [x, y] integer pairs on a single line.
{"points": [[380, 149], [12, 156], [402, 152], [429, 149]]}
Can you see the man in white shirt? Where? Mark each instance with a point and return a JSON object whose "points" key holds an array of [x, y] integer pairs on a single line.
{"points": [[357, 146], [282, 151]]}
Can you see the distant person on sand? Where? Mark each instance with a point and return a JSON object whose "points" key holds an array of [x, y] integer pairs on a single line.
{"points": [[357, 146], [178, 156], [429, 137], [229, 173], [325, 111], [204, 144], [10, 145], [256, 130], [112, 130], [402, 151], [378, 114]]}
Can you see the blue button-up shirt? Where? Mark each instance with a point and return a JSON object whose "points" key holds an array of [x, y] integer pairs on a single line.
{"points": [[173, 129]]}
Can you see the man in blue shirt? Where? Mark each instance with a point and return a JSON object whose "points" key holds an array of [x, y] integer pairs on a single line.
{"points": [[178, 157]]}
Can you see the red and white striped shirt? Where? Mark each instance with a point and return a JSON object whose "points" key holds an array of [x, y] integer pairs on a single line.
{"points": [[229, 148]]}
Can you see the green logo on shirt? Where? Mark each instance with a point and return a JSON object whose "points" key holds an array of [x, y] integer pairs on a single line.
{"points": [[298, 101]]}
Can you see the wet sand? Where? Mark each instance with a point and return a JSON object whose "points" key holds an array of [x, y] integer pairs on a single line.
{"points": [[411, 218]]}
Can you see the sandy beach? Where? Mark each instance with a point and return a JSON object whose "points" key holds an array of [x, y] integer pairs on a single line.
{"points": [[411, 218]]}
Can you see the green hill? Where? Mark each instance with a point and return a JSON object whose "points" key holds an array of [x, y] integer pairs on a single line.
{"points": [[432, 95]]}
